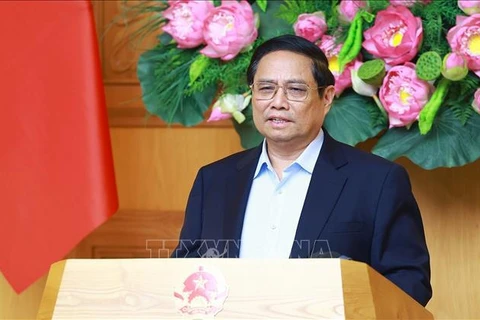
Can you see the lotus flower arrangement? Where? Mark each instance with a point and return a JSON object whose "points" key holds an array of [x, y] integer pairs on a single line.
{"points": [[407, 71]]}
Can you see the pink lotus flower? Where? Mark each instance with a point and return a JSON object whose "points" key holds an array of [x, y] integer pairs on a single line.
{"points": [[408, 3], [331, 49], [454, 66], [310, 26], [403, 95], [465, 39], [395, 37], [476, 101], [186, 20], [349, 8], [469, 6], [229, 29]]}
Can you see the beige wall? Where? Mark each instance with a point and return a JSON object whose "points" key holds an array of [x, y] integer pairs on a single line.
{"points": [[450, 204], [155, 167]]}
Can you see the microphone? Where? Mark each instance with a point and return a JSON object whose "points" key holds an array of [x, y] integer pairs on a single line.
{"points": [[328, 255]]}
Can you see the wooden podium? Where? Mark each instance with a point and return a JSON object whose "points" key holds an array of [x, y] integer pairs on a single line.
{"points": [[239, 288]]}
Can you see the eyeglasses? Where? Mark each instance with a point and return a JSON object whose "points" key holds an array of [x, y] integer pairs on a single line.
{"points": [[292, 91]]}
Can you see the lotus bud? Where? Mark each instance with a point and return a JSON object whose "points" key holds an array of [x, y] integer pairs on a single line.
{"points": [[454, 66], [476, 101], [359, 86], [229, 105], [469, 6]]}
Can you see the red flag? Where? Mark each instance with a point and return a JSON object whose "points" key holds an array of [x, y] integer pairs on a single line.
{"points": [[57, 181]]}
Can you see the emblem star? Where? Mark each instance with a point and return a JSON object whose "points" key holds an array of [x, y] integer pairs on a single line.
{"points": [[200, 283]]}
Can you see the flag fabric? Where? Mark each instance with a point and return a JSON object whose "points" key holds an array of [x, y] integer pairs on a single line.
{"points": [[57, 181]]}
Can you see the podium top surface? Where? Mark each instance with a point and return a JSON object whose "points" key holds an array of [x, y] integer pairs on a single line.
{"points": [[224, 288]]}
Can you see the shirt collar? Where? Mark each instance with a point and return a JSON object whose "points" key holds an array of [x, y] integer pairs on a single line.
{"points": [[309, 156], [306, 160], [263, 161]]}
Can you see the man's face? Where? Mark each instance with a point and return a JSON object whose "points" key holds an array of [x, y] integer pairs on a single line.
{"points": [[280, 120]]}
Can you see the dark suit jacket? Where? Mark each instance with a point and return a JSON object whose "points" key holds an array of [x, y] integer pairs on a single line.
{"points": [[362, 204]]}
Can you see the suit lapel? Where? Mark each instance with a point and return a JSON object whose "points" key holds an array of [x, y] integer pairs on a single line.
{"points": [[323, 192], [238, 190]]}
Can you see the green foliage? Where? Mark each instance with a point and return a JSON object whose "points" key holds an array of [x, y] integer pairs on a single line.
{"points": [[462, 112], [350, 120], [165, 39], [198, 66], [249, 135], [232, 74], [270, 25], [234, 79], [164, 77], [331, 14], [377, 118], [377, 5], [328, 7], [435, 16], [460, 97], [291, 9], [449, 143], [262, 4], [464, 89], [209, 77]]}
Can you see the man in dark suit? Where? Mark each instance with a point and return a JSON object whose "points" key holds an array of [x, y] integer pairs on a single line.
{"points": [[301, 192]]}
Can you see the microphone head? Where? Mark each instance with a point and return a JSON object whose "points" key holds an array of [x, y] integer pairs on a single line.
{"points": [[328, 255], [325, 255]]}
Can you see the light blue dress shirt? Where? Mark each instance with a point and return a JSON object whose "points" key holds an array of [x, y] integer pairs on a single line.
{"points": [[274, 206]]}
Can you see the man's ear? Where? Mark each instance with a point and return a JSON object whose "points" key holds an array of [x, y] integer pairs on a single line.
{"points": [[328, 96]]}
